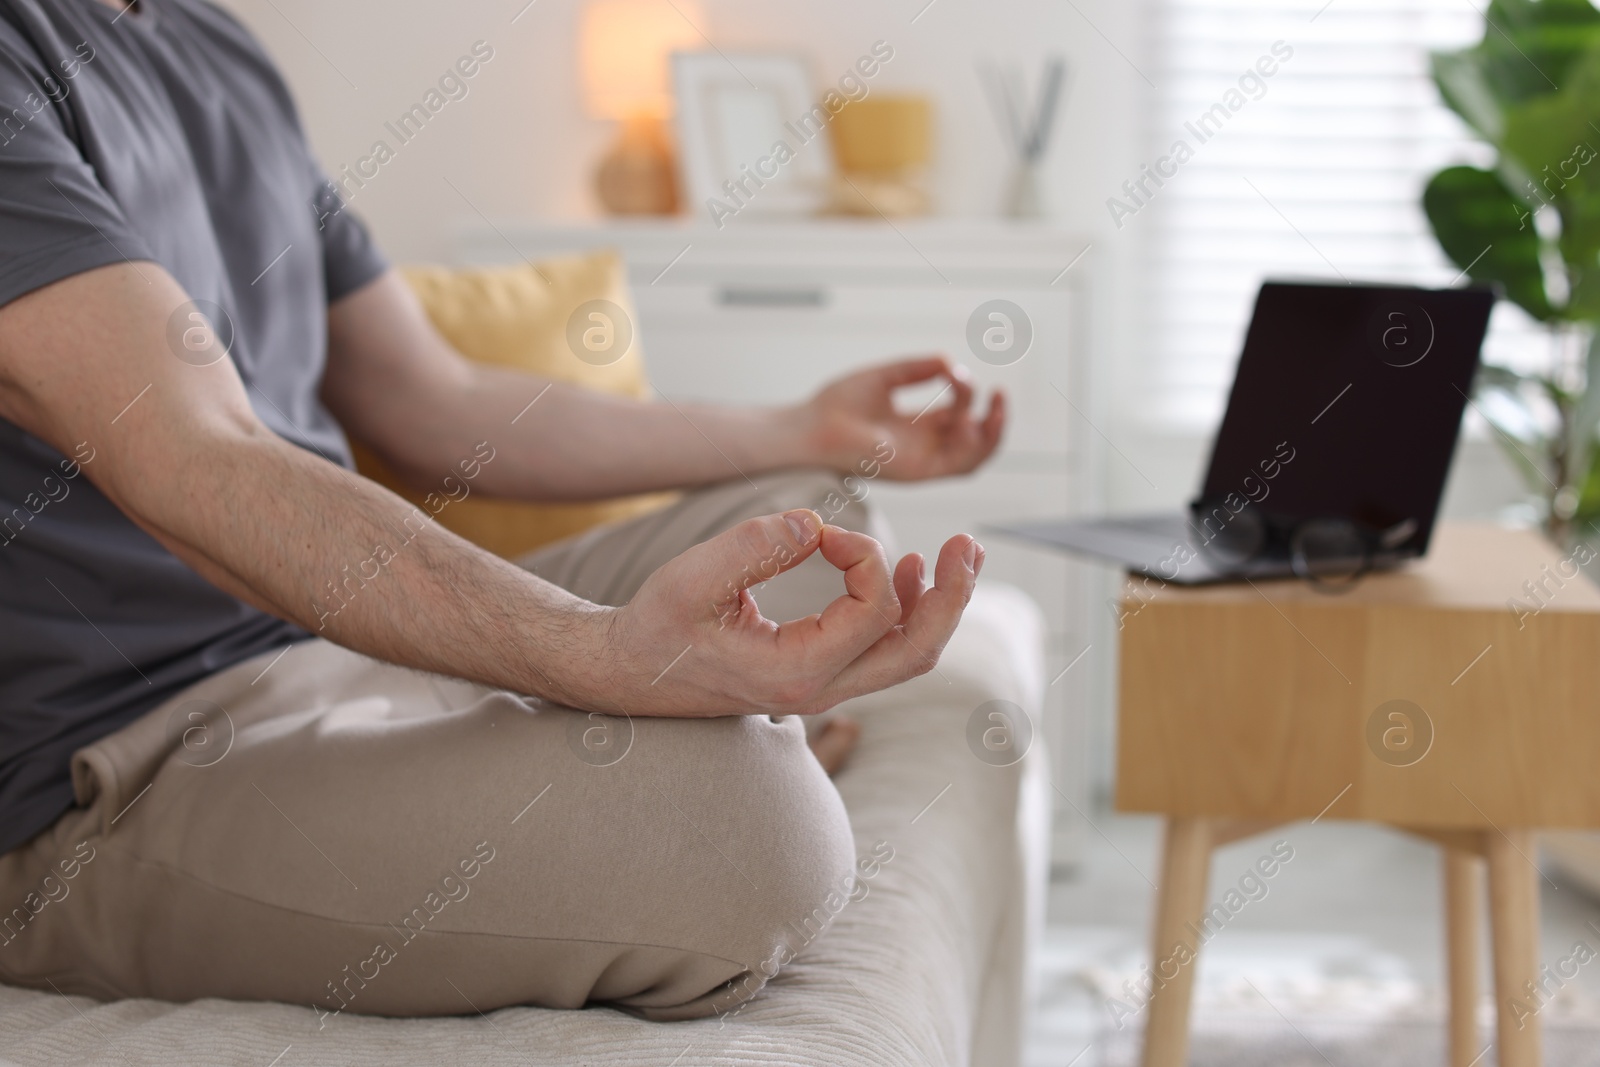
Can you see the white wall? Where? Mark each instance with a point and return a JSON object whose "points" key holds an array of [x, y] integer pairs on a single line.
{"points": [[518, 145]]}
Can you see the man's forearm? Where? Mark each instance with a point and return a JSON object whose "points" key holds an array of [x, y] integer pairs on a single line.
{"points": [[398, 386], [577, 444], [347, 560]]}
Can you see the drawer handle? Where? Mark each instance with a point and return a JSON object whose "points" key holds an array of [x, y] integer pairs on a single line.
{"points": [[741, 296]]}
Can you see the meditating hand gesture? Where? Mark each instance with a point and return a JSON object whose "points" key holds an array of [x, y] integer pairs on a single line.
{"points": [[694, 641], [851, 417]]}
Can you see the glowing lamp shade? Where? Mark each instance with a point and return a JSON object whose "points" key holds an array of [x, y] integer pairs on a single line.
{"points": [[624, 47]]}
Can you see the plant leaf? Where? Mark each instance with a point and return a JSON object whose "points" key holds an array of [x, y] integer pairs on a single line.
{"points": [[1527, 50], [1556, 141], [1465, 87], [1480, 223], [1528, 45]]}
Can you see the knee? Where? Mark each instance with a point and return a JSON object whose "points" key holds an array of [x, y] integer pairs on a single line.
{"points": [[794, 830], [790, 852]]}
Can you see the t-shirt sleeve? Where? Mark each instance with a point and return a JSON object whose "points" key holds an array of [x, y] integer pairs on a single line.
{"points": [[350, 257], [56, 219]]}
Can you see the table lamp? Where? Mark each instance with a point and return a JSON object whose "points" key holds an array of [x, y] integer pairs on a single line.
{"points": [[624, 49]]}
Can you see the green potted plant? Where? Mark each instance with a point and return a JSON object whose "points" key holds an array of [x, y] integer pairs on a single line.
{"points": [[1531, 225]]}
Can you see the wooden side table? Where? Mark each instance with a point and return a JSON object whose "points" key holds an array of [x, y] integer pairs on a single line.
{"points": [[1456, 699]]}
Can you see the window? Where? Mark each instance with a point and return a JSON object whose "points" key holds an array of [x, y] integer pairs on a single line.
{"points": [[1318, 173]]}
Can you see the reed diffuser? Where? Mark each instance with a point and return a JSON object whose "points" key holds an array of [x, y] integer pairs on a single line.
{"points": [[1026, 129]]}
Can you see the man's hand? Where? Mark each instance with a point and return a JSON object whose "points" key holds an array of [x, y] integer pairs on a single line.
{"points": [[693, 641], [849, 418]]}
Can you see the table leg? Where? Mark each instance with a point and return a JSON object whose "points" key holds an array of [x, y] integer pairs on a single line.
{"points": [[1463, 914], [1514, 928], [1185, 869]]}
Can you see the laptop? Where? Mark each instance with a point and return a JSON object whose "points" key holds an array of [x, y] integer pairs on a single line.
{"points": [[1343, 416]]}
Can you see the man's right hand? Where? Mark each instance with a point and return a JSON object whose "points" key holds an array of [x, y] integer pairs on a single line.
{"points": [[692, 642]]}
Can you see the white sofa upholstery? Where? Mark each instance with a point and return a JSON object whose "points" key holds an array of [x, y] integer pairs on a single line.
{"points": [[929, 969]]}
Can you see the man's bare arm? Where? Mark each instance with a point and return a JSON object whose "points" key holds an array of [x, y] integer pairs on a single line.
{"points": [[180, 451], [398, 386]]}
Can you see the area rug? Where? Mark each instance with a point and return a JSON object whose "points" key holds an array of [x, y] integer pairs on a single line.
{"points": [[1273, 1001]]}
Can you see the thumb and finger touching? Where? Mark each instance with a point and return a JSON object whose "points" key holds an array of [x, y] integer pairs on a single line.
{"points": [[754, 551], [915, 646], [885, 627]]}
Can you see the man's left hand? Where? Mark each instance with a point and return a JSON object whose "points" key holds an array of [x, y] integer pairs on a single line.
{"points": [[850, 419]]}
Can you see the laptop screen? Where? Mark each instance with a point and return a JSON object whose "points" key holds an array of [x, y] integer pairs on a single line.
{"points": [[1347, 403]]}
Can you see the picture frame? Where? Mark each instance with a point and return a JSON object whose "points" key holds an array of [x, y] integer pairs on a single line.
{"points": [[734, 111]]}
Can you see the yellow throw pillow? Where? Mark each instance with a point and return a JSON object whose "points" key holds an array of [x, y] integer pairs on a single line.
{"points": [[518, 317]]}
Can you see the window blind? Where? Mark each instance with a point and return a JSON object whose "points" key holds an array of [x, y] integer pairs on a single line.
{"points": [[1319, 173]]}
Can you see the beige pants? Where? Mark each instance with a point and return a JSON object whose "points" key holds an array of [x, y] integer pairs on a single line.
{"points": [[329, 830]]}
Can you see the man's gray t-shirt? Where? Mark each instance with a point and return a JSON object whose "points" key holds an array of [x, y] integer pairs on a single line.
{"points": [[160, 136]]}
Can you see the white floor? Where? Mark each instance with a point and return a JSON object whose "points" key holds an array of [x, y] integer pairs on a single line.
{"points": [[1349, 929]]}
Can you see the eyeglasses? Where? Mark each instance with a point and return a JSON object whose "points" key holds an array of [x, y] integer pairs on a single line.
{"points": [[1332, 554]]}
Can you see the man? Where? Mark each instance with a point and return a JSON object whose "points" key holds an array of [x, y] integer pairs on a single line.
{"points": [[404, 815]]}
